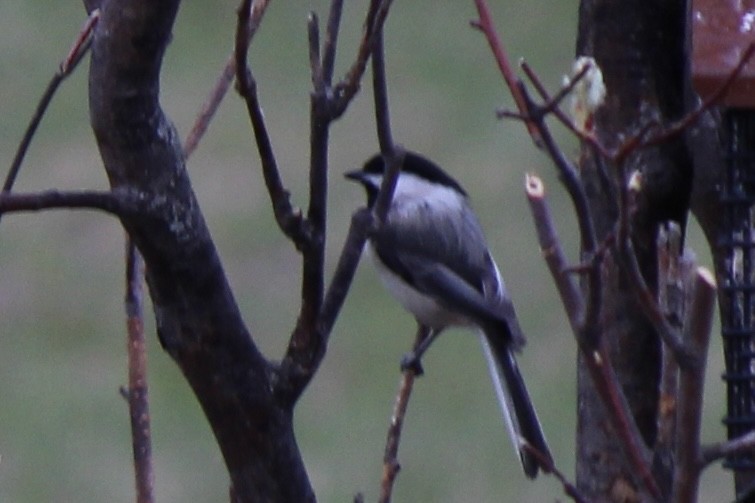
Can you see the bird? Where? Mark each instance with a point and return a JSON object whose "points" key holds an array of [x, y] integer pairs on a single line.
{"points": [[431, 254]]}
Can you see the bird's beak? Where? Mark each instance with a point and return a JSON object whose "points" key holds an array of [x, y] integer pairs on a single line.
{"points": [[355, 176]]}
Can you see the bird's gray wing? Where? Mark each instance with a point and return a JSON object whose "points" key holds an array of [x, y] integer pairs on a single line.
{"points": [[448, 259]]}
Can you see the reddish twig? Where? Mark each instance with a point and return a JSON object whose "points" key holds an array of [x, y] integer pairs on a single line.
{"points": [[642, 138], [138, 401], [596, 358], [550, 467], [714, 99], [391, 464], [550, 247], [487, 27], [210, 107]]}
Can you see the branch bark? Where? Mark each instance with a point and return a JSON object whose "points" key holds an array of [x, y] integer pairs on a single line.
{"points": [[198, 321]]}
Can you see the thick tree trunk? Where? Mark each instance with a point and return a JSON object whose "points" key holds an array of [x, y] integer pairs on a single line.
{"points": [[639, 46], [198, 321]]}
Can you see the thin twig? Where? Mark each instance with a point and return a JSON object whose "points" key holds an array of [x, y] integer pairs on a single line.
{"points": [[210, 106], [713, 452], [642, 138], [138, 400], [550, 103], [596, 360], [714, 99], [588, 334], [380, 94], [315, 65], [320, 307], [288, 217], [650, 308], [550, 247], [67, 66], [691, 383], [363, 221], [550, 467], [347, 88], [391, 464], [331, 41], [487, 27]]}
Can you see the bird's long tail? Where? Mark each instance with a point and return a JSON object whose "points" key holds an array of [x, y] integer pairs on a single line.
{"points": [[518, 411]]}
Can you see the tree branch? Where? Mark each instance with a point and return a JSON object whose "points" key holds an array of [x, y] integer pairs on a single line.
{"points": [[138, 401], [118, 203], [391, 464], [550, 247], [691, 383], [67, 66], [348, 87], [210, 106], [319, 309], [593, 350], [288, 217], [714, 452], [198, 320]]}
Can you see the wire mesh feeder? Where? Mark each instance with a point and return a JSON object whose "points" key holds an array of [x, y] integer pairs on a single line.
{"points": [[737, 243]]}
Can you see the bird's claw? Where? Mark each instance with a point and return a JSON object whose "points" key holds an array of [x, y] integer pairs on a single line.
{"points": [[412, 362]]}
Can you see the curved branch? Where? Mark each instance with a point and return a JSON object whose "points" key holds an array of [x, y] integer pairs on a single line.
{"points": [[67, 66], [197, 318]]}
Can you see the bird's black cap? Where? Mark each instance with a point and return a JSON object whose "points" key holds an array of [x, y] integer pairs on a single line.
{"points": [[413, 163]]}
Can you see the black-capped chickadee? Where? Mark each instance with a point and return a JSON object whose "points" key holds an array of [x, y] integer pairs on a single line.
{"points": [[432, 256]]}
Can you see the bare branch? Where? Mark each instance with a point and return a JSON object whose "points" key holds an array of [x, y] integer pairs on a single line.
{"points": [[596, 360], [288, 217], [210, 106], [691, 383], [651, 309], [550, 247], [137, 394], [711, 101], [588, 334], [363, 221], [713, 452], [486, 25], [331, 40], [391, 465], [380, 92], [313, 30], [550, 467], [348, 87], [117, 202], [67, 66], [198, 320]]}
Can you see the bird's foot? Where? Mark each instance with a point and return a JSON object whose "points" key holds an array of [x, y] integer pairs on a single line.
{"points": [[412, 362]]}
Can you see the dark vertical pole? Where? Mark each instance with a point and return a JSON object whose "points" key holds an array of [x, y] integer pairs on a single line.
{"points": [[736, 246], [721, 33]]}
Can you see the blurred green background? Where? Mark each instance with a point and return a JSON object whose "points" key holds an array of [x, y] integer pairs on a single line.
{"points": [[64, 432]]}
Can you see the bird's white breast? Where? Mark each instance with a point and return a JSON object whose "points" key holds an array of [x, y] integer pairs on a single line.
{"points": [[424, 307]]}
